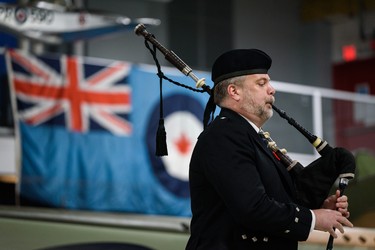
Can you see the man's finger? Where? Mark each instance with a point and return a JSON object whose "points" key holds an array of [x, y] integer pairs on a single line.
{"points": [[332, 232]]}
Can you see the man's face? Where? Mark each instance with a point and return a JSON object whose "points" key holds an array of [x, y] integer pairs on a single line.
{"points": [[257, 97]]}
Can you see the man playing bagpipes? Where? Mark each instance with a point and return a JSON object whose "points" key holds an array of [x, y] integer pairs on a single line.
{"points": [[246, 193], [242, 196]]}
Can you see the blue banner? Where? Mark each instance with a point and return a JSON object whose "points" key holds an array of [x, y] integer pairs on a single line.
{"points": [[88, 127]]}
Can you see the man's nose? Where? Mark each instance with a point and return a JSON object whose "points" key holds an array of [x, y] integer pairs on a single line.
{"points": [[271, 90]]}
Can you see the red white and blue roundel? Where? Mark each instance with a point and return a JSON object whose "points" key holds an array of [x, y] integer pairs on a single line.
{"points": [[183, 123]]}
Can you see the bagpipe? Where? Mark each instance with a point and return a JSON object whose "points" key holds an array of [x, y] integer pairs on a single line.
{"points": [[313, 182]]}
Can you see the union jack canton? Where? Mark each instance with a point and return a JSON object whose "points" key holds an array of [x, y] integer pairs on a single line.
{"points": [[79, 93]]}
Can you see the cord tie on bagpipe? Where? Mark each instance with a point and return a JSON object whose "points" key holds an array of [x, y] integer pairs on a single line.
{"points": [[161, 135]]}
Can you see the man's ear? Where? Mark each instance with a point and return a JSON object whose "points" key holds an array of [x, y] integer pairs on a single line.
{"points": [[233, 92]]}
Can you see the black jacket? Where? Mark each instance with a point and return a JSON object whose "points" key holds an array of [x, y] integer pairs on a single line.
{"points": [[241, 196]]}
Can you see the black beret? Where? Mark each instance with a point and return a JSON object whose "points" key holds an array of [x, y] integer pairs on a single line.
{"points": [[240, 62]]}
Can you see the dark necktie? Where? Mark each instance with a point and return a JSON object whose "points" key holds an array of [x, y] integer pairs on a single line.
{"points": [[263, 136]]}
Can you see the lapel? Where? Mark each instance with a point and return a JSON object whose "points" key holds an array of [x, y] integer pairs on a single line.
{"points": [[261, 145]]}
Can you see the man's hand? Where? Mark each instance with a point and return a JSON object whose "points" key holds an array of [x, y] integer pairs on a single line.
{"points": [[335, 202], [333, 214], [327, 220]]}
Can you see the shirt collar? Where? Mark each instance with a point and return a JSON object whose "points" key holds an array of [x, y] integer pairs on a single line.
{"points": [[252, 124]]}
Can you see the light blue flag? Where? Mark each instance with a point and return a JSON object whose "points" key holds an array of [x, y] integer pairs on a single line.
{"points": [[88, 130]]}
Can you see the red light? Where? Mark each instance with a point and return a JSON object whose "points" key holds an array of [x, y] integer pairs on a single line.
{"points": [[372, 43], [349, 52]]}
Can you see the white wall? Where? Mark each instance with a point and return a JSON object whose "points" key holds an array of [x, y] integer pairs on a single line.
{"points": [[300, 52], [7, 154], [128, 46]]}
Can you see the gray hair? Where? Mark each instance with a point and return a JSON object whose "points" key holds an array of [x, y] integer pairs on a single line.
{"points": [[220, 89]]}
